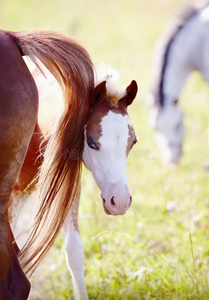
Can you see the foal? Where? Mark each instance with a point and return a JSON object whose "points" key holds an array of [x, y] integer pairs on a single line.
{"points": [[108, 138]]}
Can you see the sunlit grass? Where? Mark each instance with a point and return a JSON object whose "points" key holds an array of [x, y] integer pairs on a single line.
{"points": [[159, 249]]}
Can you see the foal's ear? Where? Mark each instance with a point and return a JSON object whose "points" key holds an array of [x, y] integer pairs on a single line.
{"points": [[98, 94], [131, 92]]}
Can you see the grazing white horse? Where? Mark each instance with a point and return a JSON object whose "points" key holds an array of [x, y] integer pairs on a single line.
{"points": [[109, 136], [182, 49]]}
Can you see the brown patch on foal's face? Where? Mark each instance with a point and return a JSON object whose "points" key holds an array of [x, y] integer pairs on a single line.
{"points": [[131, 139], [93, 126]]}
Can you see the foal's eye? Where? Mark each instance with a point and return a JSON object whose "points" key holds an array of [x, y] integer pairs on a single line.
{"points": [[93, 146], [134, 142], [91, 143]]}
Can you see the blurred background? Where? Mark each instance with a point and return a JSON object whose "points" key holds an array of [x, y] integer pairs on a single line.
{"points": [[159, 249]]}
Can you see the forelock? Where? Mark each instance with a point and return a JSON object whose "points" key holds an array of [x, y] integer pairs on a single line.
{"points": [[115, 91]]}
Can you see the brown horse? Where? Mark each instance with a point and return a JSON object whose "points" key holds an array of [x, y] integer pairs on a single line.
{"points": [[47, 145]]}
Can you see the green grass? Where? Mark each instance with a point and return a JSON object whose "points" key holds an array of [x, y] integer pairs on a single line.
{"points": [[151, 252]]}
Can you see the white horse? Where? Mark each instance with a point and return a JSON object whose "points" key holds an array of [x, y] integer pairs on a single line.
{"points": [[109, 136], [183, 49]]}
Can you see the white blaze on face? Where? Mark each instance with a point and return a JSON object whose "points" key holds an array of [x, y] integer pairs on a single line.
{"points": [[112, 158], [169, 128], [108, 163]]}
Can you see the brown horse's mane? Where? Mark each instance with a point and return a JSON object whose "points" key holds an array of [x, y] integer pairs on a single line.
{"points": [[60, 172]]}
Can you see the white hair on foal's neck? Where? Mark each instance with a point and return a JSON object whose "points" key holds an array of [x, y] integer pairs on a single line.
{"points": [[105, 72]]}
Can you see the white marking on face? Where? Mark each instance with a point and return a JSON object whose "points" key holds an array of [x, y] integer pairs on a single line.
{"points": [[169, 128], [108, 164]]}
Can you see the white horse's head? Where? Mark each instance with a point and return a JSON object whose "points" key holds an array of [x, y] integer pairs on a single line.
{"points": [[109, 136], [169, 128]]}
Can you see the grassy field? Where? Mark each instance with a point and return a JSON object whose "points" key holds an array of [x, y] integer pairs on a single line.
{"points": [[154, 251]]}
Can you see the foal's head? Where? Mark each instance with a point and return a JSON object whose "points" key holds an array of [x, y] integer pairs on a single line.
{"points": [[109, 136]]}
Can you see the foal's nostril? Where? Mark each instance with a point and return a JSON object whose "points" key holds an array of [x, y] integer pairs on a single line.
{"points": [[130, 201], [103, 199], [112, 201]]}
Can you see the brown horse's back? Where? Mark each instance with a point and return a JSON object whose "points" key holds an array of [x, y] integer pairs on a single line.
{"points": [[18, 114]]}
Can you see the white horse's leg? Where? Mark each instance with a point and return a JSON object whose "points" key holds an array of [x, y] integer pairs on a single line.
{"points": [[74, 252]]}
